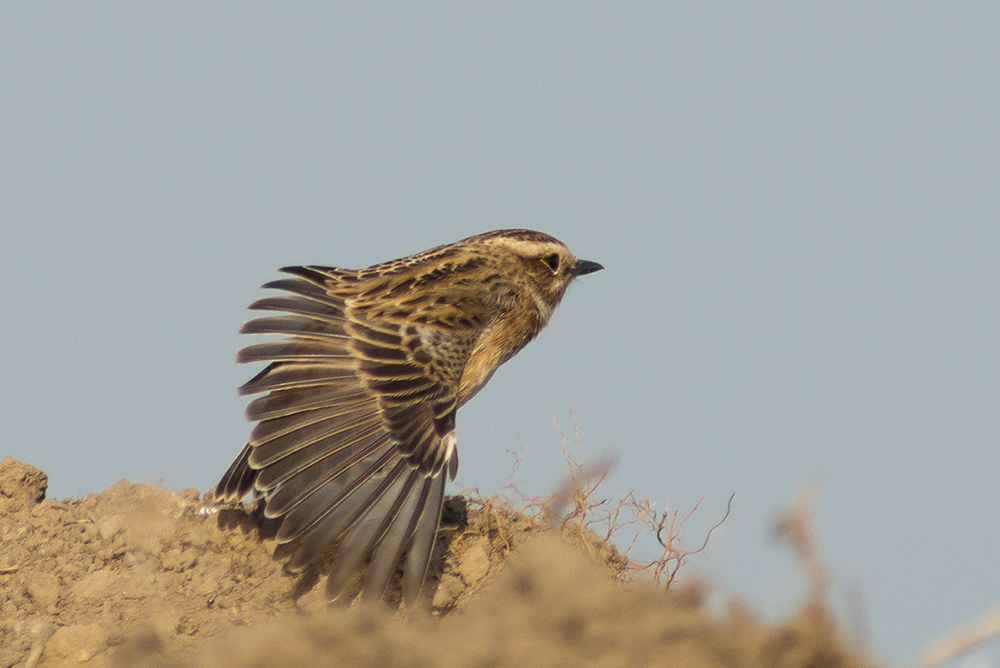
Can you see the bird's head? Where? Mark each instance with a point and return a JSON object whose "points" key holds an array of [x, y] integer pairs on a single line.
{"points": [[541, 264]]}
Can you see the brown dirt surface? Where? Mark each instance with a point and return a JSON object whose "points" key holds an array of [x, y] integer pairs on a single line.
{"points": [[140, 576]]}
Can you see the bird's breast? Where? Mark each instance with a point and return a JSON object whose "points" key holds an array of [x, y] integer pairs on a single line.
{"points": [[497, 344]]}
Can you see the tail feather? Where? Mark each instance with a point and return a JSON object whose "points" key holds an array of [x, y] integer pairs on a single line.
{"points": [[237, 481]]}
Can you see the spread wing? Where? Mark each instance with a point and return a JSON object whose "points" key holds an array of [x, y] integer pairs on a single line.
{"points": [[355, 432]]}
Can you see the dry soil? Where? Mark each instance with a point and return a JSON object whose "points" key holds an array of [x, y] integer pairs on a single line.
{"points": [[140, 576]]}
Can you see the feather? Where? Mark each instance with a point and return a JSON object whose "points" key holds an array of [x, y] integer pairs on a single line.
{"points": [[298, 326], [314, 490]]}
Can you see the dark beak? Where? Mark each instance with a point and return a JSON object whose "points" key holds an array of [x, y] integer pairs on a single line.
{"points": [[586, 267]]}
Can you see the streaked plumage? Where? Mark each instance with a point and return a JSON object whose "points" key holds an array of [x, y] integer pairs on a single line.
{"points": [[356, 426]]}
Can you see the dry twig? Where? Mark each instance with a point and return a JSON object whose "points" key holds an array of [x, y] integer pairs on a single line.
{"points": [[795, 526], [961, 640]]}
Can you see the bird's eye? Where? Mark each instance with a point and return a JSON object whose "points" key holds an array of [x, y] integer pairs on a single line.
{"points": [[552, 262]]}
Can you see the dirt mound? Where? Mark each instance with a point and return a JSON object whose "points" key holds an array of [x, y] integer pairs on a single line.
{"points": [[139, 576]]}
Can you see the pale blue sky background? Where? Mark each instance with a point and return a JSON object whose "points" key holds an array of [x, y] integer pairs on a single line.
{"points": [[798, 205]]}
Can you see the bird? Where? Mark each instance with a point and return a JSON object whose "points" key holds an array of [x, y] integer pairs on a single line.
{"points": [[355, 427]]}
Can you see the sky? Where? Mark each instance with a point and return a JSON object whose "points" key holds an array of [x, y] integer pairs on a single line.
{"points": [[797, 206]]}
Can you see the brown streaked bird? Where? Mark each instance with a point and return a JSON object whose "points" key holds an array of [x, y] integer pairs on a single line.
{"points": [[355, 431]]}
